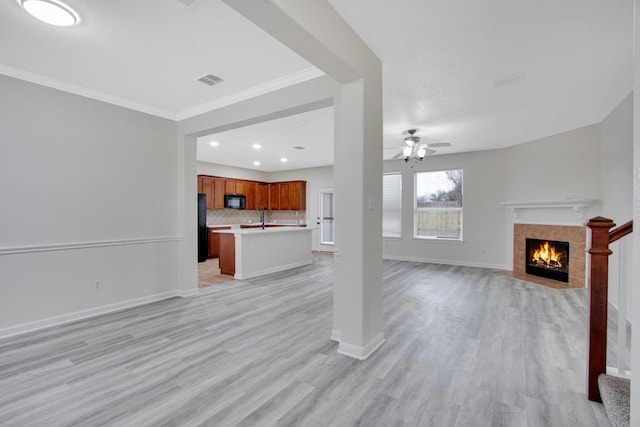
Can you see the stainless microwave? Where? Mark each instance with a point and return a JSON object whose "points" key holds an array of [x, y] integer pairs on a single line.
{"points": [[235, 201]]}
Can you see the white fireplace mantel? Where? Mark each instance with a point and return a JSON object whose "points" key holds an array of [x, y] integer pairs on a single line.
{"points": [[577, 205]]}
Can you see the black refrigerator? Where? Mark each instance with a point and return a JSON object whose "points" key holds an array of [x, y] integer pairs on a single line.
{"points": [[203, 236]]}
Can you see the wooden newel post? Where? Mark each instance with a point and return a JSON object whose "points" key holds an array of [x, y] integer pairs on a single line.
{"points": [[598, 289]]}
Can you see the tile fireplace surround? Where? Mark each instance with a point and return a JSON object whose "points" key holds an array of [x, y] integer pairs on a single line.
{"points": [[575, 235]]}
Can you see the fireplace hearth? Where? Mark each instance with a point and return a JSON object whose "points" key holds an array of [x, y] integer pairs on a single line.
{"points": [[547, 258]]}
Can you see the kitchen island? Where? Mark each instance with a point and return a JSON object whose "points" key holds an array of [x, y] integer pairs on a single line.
{"points": [[251, 252]]}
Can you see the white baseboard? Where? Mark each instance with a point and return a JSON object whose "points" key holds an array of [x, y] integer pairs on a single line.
{"points": [[92, 312], [243, 276], [335, 335], [361, 353], [449, 262], [186, 293]]}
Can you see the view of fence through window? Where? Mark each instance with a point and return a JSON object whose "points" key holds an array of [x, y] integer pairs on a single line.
{"points": [[438, 198]]}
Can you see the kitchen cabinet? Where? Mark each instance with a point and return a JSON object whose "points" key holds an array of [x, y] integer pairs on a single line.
{"points": [[227, 260], [250, 193], [285, 195], [214, 241], [240, 187], [262, 195], [283, 189], [298, 195], [230, 186], [218, 193], [205, 186], [290, 195], [274, 197]]}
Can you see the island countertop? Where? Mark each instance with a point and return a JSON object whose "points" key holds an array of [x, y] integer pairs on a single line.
{"points": [[282, 229], [251, 252]]}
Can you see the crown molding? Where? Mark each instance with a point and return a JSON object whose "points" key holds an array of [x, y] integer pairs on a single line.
{"points": [[261, 89], [83, 91]]}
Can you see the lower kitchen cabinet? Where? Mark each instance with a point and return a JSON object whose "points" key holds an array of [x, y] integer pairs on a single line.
{"points": [[227, 253], [214, 241]]}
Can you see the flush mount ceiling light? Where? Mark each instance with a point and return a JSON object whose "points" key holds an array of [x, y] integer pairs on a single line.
{"points": [[52, 12]]}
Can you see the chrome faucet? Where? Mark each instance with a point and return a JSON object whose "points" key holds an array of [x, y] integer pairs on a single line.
{"points": [[262, 216]]}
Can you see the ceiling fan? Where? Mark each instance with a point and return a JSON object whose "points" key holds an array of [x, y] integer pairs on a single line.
{"points": [[414, 149]]}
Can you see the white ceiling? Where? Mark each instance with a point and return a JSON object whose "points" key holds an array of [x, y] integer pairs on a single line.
{"points": [[147, 54], [572, 63], [312, 130], [440, 57]]}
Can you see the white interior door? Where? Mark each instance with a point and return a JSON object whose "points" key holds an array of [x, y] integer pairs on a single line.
{"points": [[324, 220]]}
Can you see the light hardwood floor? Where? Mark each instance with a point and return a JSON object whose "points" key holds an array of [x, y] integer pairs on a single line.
{"points": [[464, 347]]}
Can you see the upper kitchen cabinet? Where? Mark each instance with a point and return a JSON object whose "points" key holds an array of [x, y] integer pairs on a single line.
{"points": [[249, 190], [274, 197], [290, 195], [283, 189], [287, 195], [206, 186], [240, 187], [298, 195], [230, 186], [218, 193], [262, 195]]}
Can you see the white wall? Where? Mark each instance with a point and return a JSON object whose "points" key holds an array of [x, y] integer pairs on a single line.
{"points": [[616, 160], [75, 171], [616, 184], [561, 166], [558, 167], [483, 218]]}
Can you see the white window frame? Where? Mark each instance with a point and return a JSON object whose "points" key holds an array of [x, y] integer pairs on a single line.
{"points": [[416, 210]]}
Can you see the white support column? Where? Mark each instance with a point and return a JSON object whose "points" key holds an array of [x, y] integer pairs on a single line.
{"points": [[635, 277], [314, 30]]}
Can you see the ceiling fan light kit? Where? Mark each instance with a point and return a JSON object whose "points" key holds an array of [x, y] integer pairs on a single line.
{"points": [[413, 149]]}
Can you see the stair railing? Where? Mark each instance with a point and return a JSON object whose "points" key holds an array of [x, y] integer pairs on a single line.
{"points": [[601, 239]]}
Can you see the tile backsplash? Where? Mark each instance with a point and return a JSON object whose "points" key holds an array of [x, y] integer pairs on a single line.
{"points": [[235, 216]]}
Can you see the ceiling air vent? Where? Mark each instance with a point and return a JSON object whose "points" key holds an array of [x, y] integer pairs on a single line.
{"points": [[514, 79], [439, 144], [187, 3], [298, 147], [210, 79]]}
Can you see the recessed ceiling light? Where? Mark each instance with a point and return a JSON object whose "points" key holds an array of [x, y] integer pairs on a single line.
{"points": [[214, 143], [283, 160], [256, 146], [256, 163], [52, 12]]}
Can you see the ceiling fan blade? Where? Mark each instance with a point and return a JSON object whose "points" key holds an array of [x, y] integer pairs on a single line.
{"points": [[398, 156]]}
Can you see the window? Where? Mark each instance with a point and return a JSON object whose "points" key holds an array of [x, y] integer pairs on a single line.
{"points": [[391, 205], [438, 205], [326, 216]]}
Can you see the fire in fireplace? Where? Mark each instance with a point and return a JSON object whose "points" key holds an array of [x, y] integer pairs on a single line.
{"points": [[548, 258]]}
